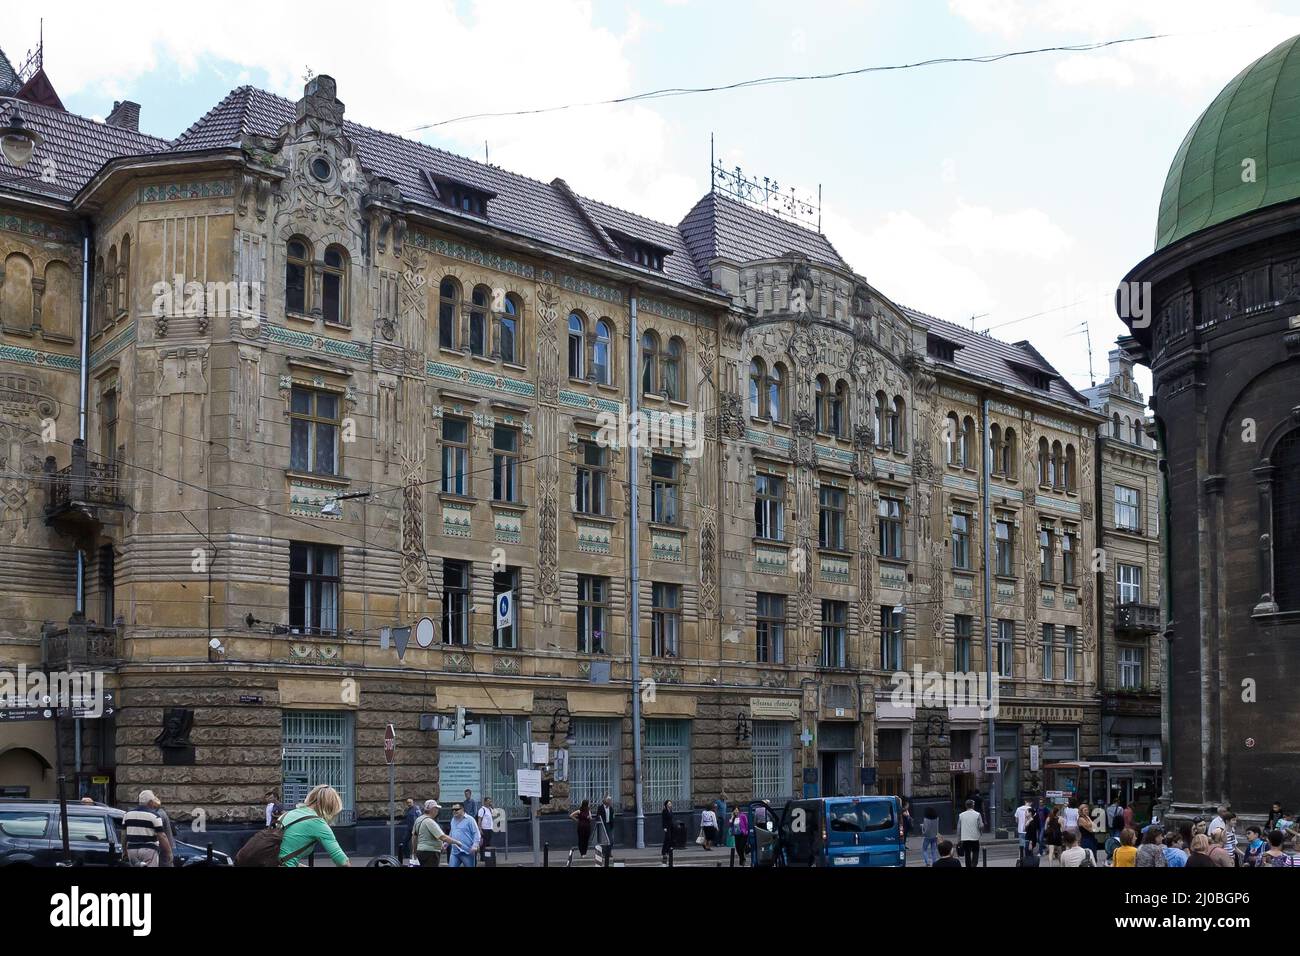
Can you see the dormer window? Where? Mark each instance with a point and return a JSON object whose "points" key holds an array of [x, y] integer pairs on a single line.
{"points": [[645, 254], [462, 196], [941, 349], [1033, 376]]}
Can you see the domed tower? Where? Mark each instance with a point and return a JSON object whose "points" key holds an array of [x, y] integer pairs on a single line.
{"points": [[1216, 312]]}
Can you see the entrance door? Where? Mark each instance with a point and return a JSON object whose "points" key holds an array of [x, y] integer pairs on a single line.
{"points": [[830, 761]]}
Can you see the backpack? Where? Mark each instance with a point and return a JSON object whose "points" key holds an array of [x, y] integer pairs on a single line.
{"points": [[263, 847]]}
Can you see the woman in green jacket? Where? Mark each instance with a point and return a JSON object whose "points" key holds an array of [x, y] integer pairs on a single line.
{"points": [[312, 818]]}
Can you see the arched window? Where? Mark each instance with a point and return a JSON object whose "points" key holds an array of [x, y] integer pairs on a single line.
{"points": [[757, 375], [650, 363], [1058, 463], [968, 442], [99, 305], [1137, 432], [1285, 460], [819, 404], [448, 309], [508, 334], [124, 278], [334, 285], [995, 449], [1070, 479], [478, 311], [1009, 453], [839, 411], [602, 352], [1114, 426], [954, 439], [295, 276], [1044, 462], [672, 369], [898, 425], [111, 277], [577, 339], [776, 393]]}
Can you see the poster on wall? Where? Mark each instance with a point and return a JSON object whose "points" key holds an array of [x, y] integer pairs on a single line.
{"points": [[458, 771]]}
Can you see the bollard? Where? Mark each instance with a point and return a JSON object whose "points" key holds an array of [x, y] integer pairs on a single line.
{"points": [[209, 854], [670, 856], [546, 854], [732, 860], [986, 856]]}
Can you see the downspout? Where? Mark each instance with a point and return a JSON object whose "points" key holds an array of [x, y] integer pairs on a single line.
{"points": [[985, 524], [634, 567], [1166, 599], [1099, 580], [84, 390]]}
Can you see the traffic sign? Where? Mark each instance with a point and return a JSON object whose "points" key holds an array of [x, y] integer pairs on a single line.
{"points": [[992, 764], [390, 744], [505, 610], [424, 632]]}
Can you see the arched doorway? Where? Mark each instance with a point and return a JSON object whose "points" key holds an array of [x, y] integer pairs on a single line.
{"points": [[25, 773]]}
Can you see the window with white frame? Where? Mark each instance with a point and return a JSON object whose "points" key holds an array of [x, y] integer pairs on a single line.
{"points": [[1071, 650], [664, 489], [891, 528], [831, 517], [769, 629], [835, 634], [592, 475], [769, 507], [667, 761], [961, 540], [1131, 664], [1128, 583], [593, 614], [1049, 651], [455, 455], [665, 620], [891, 638], [455, 602], [1128, 513], [1006, 648], [773, 747], [505, 464]]}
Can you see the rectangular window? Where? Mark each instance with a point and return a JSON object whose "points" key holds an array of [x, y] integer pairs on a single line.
{"points": [[835, 632], [455, 602], [769, 507], [313, 431], [505, 464], [830, 519], [455, 455], [1049, 651], [1005, 547], [313, 588], [769, 629], [1045, 534], [1071, 650], [1131, 661], [1128, 513], [507, 581], [891, 528], [509, 330], [1069, 549], [108, 426], [891, 639], [593, 614], [961, 540], [594, 760], [667, 761], [664, 486], [590, 497], [773, 747], [961, 638], [317, 747], [665, 620], [1006, 647], [1128, 584]]}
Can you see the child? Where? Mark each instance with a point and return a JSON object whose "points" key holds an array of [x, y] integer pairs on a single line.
{"points": [[1255, 845]]}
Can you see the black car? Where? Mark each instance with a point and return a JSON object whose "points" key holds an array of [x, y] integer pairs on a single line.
{"points": [[30, 836]]}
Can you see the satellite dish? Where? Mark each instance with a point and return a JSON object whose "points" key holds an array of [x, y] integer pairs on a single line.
{"points": [[424, 632]]}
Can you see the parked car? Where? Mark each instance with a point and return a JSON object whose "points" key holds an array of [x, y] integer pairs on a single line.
{"points": [[830, 831], [30, 836]]}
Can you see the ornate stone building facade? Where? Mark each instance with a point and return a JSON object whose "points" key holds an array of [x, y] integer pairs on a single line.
{"points": [[339, 382]]}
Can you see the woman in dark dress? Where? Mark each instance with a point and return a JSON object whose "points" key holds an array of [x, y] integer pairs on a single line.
{"points": [[667, 818], [1052, 836], [1031, 834], [583, 816]]}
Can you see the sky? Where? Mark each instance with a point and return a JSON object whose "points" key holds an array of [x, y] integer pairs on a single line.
{"points": [[1018, 192]]}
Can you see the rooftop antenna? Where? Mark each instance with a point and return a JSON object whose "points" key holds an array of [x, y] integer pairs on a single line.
{"points": [[982, 315], [1092, 379], [486, 156]]}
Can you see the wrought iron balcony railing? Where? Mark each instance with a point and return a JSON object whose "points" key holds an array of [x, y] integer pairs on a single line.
{"points": [[82, 486], [80, 645]]}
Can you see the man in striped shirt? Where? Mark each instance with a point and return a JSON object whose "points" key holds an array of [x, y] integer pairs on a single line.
{"points": [[147, 839]]}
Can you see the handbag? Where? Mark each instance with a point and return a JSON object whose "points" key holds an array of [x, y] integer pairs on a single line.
{"points": [[699, 840]]}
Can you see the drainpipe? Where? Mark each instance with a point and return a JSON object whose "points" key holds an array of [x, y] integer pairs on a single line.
{"points": [[985, 527], [634, 567], [84, 389], [1167, 599]]}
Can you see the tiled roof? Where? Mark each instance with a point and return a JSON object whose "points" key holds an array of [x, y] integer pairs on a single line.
{"points": [[719, 227], [8, 76], [525, 206], [993, 359], [78, 147]]}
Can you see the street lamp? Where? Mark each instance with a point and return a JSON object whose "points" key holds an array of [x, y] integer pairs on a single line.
{"points": [[17, 142]]}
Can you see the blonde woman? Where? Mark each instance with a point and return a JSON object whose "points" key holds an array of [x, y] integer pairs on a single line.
{"points": [[308, 824]]}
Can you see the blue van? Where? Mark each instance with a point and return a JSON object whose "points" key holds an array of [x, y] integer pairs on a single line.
{"points": [[830, 831]]}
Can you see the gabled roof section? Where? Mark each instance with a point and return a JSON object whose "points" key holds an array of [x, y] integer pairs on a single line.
{"points": [[9, 82], [76, 145], [39, 89], [719, 227], [995, 360]]}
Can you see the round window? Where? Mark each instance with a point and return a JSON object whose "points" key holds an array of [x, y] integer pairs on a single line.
{"points": [[320, 168]]}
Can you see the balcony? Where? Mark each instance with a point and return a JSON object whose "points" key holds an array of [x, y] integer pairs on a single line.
{"points": [[1132, 618], [79, 645], [80, 493]]}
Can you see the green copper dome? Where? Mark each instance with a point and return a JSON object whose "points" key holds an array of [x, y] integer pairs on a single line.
{"points": [[1250, 131]]}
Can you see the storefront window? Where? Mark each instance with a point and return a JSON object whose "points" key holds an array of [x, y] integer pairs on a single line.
{"points": [[667, 761], [593, 760]]}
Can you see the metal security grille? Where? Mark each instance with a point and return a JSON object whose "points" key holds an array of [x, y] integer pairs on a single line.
{"points": [[501, 734], [668, 760], [593, 760], [773, 760], [1286, 521], [318, 749]]}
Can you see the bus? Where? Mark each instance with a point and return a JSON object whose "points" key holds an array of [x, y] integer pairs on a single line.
{"points": [[1096, 783]]}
